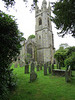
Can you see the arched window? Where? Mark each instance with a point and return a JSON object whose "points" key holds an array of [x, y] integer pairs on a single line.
{"points": [[40, 21]]}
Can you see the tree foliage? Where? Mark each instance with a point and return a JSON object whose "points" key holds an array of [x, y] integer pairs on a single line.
{"points": [[10, 38], [64, 18], [31, 36], [60, 56], [65, 56]]}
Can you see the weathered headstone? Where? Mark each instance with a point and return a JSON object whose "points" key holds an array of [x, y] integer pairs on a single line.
{"points": [[45, 69], [32, 67], [68, 74], [37, 67], [49, 69], [26, 69], [33, 76]]}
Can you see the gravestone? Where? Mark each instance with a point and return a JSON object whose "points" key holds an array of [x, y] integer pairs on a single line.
{"points": [[37, 67], [45, 69], [49, 68], [26, 69], [33, 76], [68, 74], [32, 67]]}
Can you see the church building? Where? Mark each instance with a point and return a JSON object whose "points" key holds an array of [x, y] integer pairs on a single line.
{"points": [[41, 48]]}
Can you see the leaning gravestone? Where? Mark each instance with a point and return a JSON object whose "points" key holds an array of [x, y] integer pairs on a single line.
{"points": [[45, 69], [26, 69]]}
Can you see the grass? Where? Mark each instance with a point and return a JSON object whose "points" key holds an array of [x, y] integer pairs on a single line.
{"points": [[44, 88]]}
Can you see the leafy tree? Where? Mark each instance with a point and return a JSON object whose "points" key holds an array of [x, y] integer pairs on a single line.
{"points": [[60, 56], [64, 19], [31, 36], [70, 60], [64, 45], [10, 38]]}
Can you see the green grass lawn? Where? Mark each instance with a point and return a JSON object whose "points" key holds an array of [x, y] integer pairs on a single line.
{"points": [[44, 88]]}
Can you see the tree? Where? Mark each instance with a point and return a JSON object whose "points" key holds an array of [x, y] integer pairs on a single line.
{"points": [[31, 36], [64, 18], [70, 60], [60, 56], [12, 2], [64, 45], [10, 38]]}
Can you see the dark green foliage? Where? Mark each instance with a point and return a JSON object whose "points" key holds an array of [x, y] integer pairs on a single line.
{"points": [[70, 61], [31, 36], [10, 38], [60, 56], [64, 18], [66, 57]]}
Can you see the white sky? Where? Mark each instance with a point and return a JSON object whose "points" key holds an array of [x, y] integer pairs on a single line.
{"points": [[26, 21]]}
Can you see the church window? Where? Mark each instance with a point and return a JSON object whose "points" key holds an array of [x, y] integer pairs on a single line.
{"points": [[40, 21]]}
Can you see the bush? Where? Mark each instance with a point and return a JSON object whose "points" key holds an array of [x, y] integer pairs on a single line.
{"points": [[71, 61]]}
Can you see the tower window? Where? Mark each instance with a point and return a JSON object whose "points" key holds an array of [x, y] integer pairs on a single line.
{"points": [[40, 21]]}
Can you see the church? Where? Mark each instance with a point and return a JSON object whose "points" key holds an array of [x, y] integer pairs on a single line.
{"points": [[41, 48]]}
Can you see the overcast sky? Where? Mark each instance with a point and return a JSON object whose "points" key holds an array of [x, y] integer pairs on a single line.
{"points": [[26, 21]]}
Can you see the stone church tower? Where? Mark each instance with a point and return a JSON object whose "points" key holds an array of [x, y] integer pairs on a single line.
{"points": [[43, 34]]}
